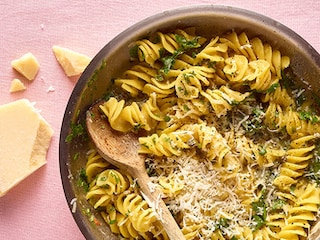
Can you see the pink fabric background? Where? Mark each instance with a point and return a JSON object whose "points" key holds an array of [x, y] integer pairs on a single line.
{"points": [[36, 208]]}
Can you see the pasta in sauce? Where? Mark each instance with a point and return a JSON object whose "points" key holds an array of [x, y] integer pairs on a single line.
{"points": [[232, 144]]}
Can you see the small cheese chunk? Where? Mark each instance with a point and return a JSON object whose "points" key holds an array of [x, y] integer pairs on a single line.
{"points": [[27, 65], [17, 85], [24, 140], [73, 63]]}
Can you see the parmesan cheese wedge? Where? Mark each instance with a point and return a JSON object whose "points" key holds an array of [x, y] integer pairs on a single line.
{"points": [[16, 86], [27, 65], [24, 140], [73, 63]]}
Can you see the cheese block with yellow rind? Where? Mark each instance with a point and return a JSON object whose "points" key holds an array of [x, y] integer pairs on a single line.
{"points": [[73, 63], [27, 65], [24, 140], [17, 85]]}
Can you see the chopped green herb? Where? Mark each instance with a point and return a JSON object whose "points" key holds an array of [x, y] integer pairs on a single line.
{"points": [[113, 221], [278, 204], [76, 131], [134, 51], [292, 188], [262, 151], [154, 140], [222, 223], [108, 96], [187, 77], [103, 178], [259, 212], [258, 112], [116, 177], [212, 64], [186, 108], [137, 126], [83, 180], [169, 61], [180, 89], [86, 211], [159, 77], [166, 118], [273, 87], [78, 113], [309, 116], [162, 52], [143, 57], [233, 102], [95, 73], [76, 156], [254, 122], [313, 172], [184, 45], [259, 222], [111, 209]]}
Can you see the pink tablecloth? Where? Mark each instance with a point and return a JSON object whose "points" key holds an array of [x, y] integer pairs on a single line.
{"points": [[36, 208]]}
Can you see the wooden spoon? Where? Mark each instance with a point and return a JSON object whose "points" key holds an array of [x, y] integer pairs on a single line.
{"points": [[315, 231], [121, 150]]}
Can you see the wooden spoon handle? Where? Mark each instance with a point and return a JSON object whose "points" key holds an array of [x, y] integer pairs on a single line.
{"points": [[315, 231], [154, 199]]}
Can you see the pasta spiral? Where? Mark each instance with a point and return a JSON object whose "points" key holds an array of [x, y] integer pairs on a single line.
{"points": [[303, 211], [125, 118], [166, 144], [223, 99], [204, 137], [190, 232], [169, 186], [254, 49], [150, 52], [212, 143], [135, 79], [106, 184], [189, 82], [250, 153], [297, 160], [122, 207], [279, 96], [278, 118], [95, 164], [119, 223], [213, 52], [137, 210]]}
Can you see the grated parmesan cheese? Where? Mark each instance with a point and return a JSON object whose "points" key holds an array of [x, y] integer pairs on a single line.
{"points": [[206, 196], [154, 205], [50, 89], [73, 203]]}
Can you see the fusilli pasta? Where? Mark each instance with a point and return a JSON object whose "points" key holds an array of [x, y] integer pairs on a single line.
{"points": [[229, 142]]}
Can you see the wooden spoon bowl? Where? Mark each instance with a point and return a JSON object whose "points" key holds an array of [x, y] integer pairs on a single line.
{"points": [[121, 150]]}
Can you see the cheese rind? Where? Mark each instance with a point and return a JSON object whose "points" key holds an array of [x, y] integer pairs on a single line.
{"points": [[24, 140], [27, 65], [73, 63], [17, 85]]}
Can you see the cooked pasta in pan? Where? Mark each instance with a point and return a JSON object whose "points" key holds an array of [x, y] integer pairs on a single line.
{"points": [[231, 138]]}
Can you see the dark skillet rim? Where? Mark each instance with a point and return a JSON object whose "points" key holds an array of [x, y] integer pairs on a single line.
{"points": [[141, 27]]}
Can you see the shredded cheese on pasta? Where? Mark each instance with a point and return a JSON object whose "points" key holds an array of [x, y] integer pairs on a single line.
{"points": [[207, 196]]}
